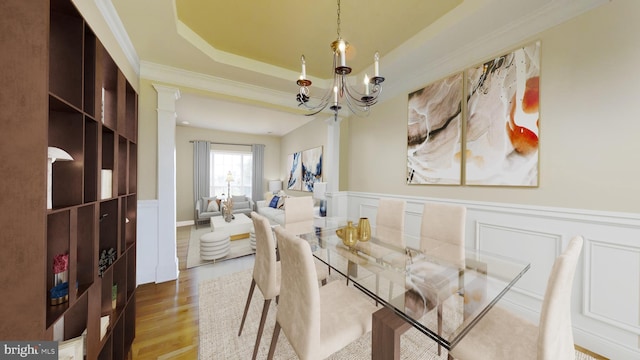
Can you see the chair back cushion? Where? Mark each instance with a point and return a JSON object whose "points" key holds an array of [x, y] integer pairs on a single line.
{"points": [[390, 221], [442, 231], [299, 306], [298, 214], [264, 269], [555, 337]]}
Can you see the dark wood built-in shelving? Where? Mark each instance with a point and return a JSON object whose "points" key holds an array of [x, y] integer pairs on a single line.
{"points": [[62, 89]]}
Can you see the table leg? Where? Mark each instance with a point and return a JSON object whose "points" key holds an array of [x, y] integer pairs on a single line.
{"points": [[385, 334]]}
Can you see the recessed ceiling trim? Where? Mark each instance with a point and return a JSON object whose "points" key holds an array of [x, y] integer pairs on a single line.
{"points": [[190, 79]]}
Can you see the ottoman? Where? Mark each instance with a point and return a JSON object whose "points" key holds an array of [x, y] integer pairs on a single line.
{"points": [[215, 245]]}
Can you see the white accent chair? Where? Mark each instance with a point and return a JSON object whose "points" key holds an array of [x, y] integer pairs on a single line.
{"points": [[501, 334], [316, 321]]}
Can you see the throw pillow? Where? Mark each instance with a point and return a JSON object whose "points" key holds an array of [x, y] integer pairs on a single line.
{"points": [[274, 202], [213, 206], [281, 202], [240, 205], [238, 198], [268, 196]]}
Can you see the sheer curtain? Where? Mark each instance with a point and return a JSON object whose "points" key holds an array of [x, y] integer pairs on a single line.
{"points": [[257, 189], [201, 168]]}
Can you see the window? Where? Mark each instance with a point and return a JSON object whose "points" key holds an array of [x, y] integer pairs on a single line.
{"points": [[239, 163]]}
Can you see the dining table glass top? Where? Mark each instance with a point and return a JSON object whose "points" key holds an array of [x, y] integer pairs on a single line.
{"points": [[442, 291]]}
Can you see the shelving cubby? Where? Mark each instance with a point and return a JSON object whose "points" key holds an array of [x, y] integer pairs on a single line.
{"points": [[66, 91]]}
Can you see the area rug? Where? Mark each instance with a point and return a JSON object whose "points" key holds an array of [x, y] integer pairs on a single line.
{"points": [[221, 303], [239, 248]]}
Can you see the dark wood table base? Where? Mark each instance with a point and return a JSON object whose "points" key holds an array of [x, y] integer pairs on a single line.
{"points": [[385, 334]]}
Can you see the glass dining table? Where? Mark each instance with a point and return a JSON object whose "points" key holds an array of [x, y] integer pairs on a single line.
{"points": [[441, 298]]}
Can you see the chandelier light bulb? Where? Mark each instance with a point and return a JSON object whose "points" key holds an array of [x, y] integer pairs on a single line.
{"points": [[304, 68], [342, 47], [366, 84], [376, 64]]}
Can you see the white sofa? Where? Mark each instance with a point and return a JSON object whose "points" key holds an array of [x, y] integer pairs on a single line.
{"points": [[275, 216]]}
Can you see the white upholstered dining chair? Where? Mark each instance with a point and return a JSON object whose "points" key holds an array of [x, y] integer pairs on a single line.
{"points": [[298, 219], [501, 334], [266, 272], [298, 214], [442, 233], [316, 321], [390, 221]]}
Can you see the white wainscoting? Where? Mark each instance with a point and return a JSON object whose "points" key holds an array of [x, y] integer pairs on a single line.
{"points": [[155, 257], [606, 291]]}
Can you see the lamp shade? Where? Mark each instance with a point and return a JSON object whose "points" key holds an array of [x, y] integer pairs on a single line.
{"points": [[320, 190], [275, 185], [229, 177], [55, 153]]}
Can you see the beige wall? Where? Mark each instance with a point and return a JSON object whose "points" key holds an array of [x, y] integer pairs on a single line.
{"points": [[589, 126], [147, 141], [308, 136], [589, 123], [184, 161]]}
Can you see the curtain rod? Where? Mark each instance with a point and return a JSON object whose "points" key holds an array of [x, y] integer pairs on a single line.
{"points": [[224, 143]]}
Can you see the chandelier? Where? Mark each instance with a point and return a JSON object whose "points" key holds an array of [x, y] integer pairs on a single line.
{"points": [[358, 102]]}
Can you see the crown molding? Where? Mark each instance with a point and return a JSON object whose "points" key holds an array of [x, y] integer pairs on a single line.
{"points": [[199, 81], [421, 53], [112, 19]]}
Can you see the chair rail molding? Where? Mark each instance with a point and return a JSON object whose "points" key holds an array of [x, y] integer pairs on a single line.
{"points": [[606, 291]]}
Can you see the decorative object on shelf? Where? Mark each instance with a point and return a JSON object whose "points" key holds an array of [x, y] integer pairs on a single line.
{"points": [[359, 103], [107, 257], [319, 192], [54, 154], [59, 293], [348, 235], [364, 229], [275, 186], [104, 325], [114, 296], [106, 180], [73, 349]]}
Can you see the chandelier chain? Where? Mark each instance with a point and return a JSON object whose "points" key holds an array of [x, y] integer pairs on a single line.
{"points": [[338, 21]]}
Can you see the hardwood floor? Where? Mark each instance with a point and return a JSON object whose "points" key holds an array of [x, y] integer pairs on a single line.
{"points": [[167, 313]]}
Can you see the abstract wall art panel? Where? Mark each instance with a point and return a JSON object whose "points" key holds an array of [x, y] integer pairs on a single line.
{"points": [[311, 168], [294, 177], [434, 132], [501, 146]]}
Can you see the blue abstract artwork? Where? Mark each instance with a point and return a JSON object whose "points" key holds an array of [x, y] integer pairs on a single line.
{"points": [[311, 168], [294, 177]]}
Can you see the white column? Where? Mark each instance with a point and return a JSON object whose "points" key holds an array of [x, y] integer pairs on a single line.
{"points": [[167, 267], [335, 206]]}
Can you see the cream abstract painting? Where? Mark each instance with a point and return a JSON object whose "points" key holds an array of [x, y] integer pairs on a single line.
{"points": [[434, 133], [502, 135]]}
